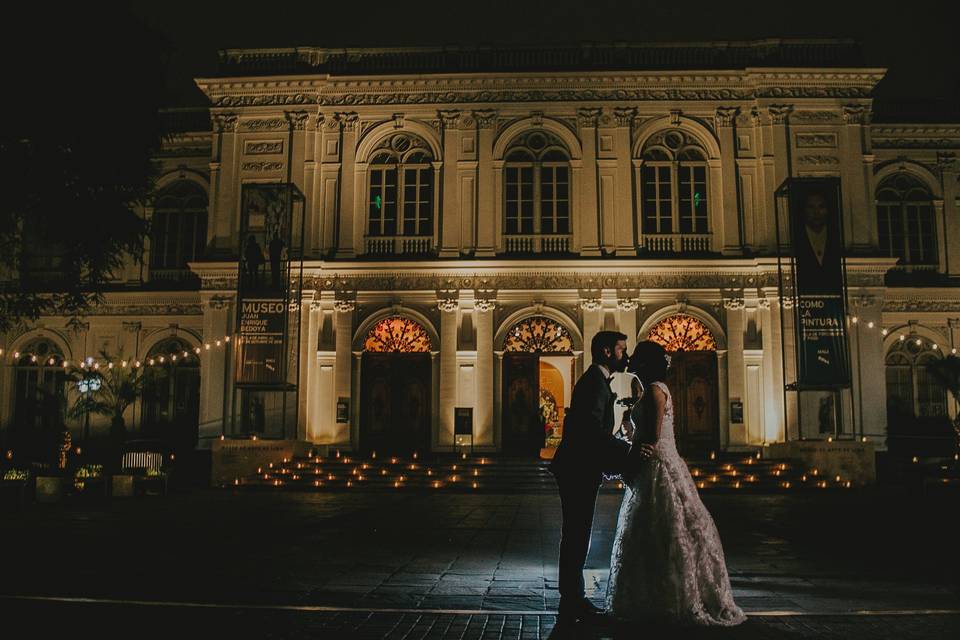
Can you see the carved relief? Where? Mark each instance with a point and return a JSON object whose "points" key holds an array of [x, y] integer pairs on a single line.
{"points": [[780, 112], [856, 114], [814, 116], [818, 160], [486, 119], [265, 124], [261, 166], [265, 100], [297, 119], [624, 115], [224, 122], [262, 147], [817, 140], [588, 117]]}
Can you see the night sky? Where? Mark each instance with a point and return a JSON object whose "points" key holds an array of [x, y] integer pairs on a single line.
{"points": [[916, 40]]}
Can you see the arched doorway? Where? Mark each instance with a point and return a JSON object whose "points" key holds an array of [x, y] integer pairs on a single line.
{"points": [[171, 395], [538, 373], [692, 379], [395, 387], [39, 401]]}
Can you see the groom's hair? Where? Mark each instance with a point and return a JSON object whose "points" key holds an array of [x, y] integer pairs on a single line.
{"points": [[605, 340]]}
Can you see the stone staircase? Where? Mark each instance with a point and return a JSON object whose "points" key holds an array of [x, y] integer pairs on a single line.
{"points": [[342, 471]]}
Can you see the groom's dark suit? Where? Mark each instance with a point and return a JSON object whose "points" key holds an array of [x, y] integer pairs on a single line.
{"points": [[587, 450]]}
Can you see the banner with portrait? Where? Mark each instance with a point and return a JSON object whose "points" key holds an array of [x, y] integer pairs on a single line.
{"points": [[816, 233]]}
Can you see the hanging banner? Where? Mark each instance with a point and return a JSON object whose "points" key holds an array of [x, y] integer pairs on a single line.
{"points": [[267, 221], [817, 240]]}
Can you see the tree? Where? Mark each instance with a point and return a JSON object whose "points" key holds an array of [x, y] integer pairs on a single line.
{"points": [[946, 371], [76, 153]]}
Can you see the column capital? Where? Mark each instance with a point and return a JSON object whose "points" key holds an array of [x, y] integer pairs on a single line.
{"points": [[486, 118], [449, 118], [448, 299], [856, 114], [624, 116], [588, 116], [780, 112], [297, 119], [726, 116], [132, 327], [349, 119], [225, 122], [733, 304]]}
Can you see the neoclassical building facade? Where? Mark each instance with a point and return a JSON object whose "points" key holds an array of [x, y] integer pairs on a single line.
{"points": [[472, 220]]}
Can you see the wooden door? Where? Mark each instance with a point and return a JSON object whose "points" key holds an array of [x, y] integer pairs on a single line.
{"points": [[521, 428], [396, 398], [692, 379]]}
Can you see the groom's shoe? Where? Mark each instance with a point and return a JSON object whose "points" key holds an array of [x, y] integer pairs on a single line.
{"points": [[581, 610]]}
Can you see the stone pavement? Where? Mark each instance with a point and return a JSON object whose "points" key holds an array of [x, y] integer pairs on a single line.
{"points": [[865, 564]]}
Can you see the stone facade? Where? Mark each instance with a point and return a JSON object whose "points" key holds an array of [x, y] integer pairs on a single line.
{"points": [[468, 285]]}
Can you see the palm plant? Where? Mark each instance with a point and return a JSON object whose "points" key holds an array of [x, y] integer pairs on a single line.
{"points": [[946, 371], [119, 387]]}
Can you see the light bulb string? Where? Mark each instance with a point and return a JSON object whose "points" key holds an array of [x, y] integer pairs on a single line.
{"points": [[97, 363]]}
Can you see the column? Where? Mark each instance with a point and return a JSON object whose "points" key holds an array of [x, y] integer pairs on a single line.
{"points": [[626, 221], [328, 187], [486, 211], [307, 362], [951, 216], [858, 200], [868, 364], [483, 413], [450, 208], [607, 188], [215, 374], [726, 222], [773, 373], [343, 378], [592, 309], [589, 220], [346, 232], [223, 207], [737, 434], [448, 370]]}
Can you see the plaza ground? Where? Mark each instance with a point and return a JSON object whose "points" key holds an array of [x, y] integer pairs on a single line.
{"points": [[874, 564]]}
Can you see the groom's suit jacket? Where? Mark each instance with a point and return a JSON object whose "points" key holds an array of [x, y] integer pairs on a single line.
{"points": [[588, 447]]}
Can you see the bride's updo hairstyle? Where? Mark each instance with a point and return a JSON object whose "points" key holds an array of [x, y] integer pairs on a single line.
{"points": [[649, 362]]}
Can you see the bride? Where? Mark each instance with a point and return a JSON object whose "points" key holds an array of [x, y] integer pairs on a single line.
{"points": [[667, 560]]}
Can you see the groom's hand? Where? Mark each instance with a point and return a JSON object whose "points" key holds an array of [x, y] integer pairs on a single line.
{"points": [[646, 450]]}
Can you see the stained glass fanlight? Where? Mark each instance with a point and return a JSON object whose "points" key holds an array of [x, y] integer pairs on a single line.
{"points": [[397, 334], [682, 332], [538, 334]]}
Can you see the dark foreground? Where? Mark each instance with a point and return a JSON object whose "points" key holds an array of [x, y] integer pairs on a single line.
{"points": [[872, 564]]}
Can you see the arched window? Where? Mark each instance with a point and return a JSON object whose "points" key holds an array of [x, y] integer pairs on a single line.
{"points": [[905, 220], [911, 389], [682, 332], [397, 334], [401, 196], [538, 334], [673, 186], [171, 395], [39, 396], [178, 230], [536, 182]]}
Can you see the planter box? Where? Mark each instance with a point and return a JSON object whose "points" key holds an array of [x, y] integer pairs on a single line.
{"points": [[52, 489], [122, 486]]}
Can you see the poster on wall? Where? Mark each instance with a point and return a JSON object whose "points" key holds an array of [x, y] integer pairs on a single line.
{"points": [[816, 233], [262, 356]]}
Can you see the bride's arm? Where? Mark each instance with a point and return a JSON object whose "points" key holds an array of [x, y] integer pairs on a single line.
{"points": [[660, 399]]}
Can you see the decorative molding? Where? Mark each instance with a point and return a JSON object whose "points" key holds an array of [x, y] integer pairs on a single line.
{"points": [[628, 304], [185, 309], [815, 116], [132, 326], [675, 117], [261, 166], [926, 304], [262, 147], [265, 100], [590, 304], [344, 306], [726, 116], [219, 302], [265, 124], [817, 140], [818, 160]]}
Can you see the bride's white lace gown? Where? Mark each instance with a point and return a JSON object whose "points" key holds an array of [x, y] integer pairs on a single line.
{"points": [[667, 558]]}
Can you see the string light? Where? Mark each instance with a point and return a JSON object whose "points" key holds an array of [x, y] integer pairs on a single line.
{"points": [[96, 362]]}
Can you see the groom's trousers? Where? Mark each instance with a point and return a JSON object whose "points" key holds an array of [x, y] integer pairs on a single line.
{"points": [[578, 499]]}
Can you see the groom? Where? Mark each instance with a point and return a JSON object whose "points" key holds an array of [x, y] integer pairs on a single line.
{"points": [[587, 450]]}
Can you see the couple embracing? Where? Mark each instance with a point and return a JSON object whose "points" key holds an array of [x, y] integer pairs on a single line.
{"points": [[667, 562]]}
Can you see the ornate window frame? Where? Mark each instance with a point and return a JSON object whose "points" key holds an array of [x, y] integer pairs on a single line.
{"points": [[682, 332], [397, 156], [669, 160], [397, 333], [909, 199], [538, 334]]}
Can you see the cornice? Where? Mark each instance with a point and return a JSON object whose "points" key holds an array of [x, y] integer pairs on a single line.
{"points": [[750, 84]]}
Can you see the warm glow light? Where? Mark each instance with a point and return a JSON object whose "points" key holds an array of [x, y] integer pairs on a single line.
{"points": [[870, 325], [884, 332], [855, 319], [915, 459]]}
